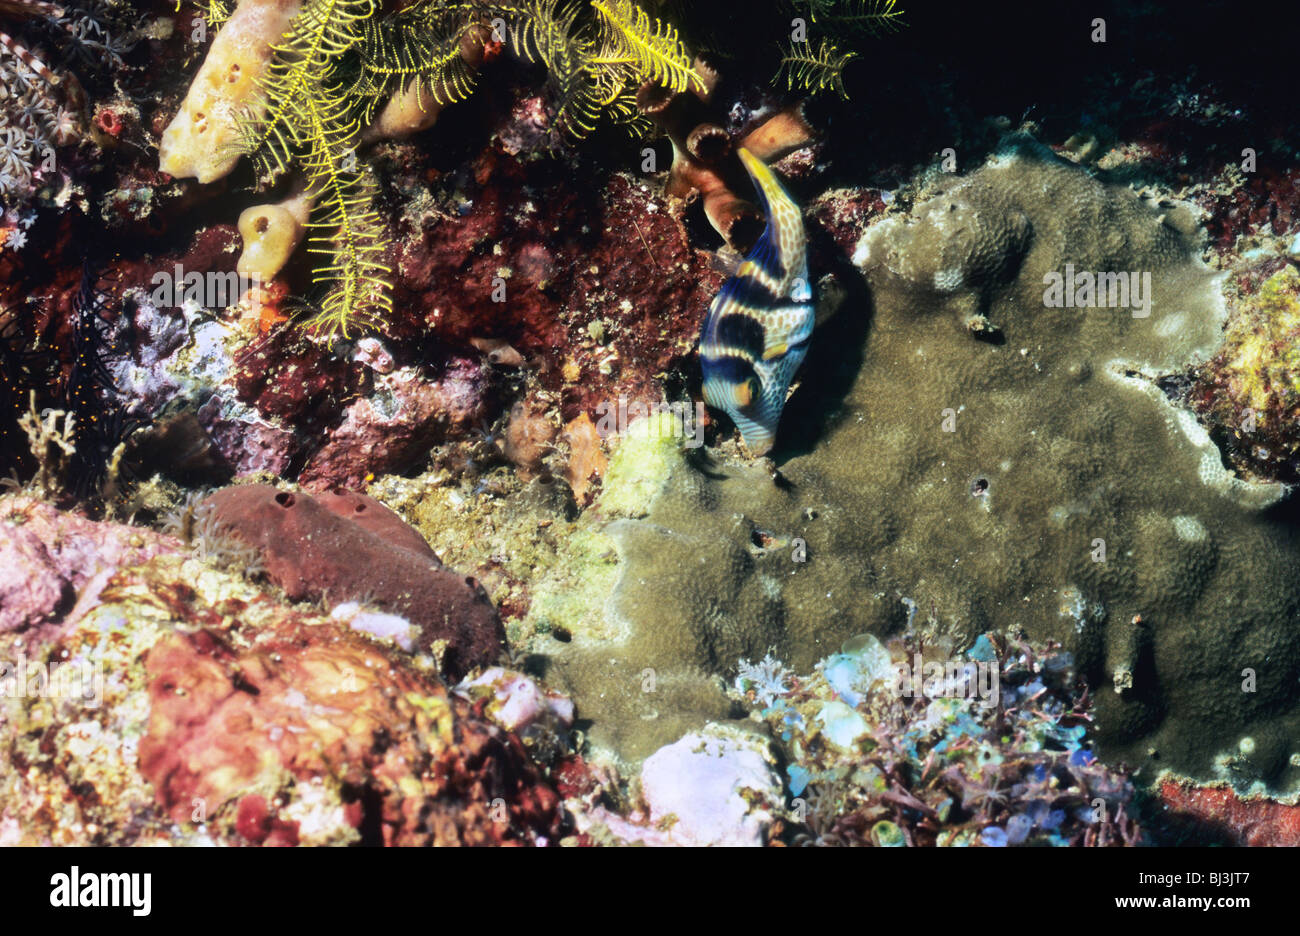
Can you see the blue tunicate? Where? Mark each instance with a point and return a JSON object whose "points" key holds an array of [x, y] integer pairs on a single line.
{"points": [[841, 725], [842, 673], [1082, 758], [799, 778], [994, 837], [1018, 828], [1055, 818], [983, 651]]}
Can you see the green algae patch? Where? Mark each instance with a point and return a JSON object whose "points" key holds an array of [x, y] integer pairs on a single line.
{"points": [[1043, 483], [572, 599], [647, 453]]}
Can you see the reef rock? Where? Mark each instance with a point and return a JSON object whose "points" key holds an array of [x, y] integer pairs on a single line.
{"points": [[1041, 481], [208, 712], [713, 787], [396, 426], [349, 547], [52, 563], [1216, 811]]}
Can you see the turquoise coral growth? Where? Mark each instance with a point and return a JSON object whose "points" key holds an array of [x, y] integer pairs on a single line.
{"points": [[873, 761]]}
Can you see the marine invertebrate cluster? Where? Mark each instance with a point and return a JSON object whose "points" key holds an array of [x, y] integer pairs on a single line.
{"points": [[48, 370], [207, 711], [43, 107], [870, 760], [1252, 386], [302, 86]]}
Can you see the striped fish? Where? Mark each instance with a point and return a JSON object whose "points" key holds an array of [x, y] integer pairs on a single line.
{"points": [[758, 328]]}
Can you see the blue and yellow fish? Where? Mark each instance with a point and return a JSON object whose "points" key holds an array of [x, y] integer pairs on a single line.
{"points": [[760, 323]]}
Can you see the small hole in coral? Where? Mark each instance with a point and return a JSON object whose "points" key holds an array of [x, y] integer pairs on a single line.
{"points": [[979, 487], [358, 508], [262, 224], [284, 499]]}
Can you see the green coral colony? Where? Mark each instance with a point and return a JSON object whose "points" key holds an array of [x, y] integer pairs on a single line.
{"points": [[1043, 485]]}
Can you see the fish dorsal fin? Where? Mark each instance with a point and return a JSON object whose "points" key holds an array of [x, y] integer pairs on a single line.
{"points": [[780, 249]]}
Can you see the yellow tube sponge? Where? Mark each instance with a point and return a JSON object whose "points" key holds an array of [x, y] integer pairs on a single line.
{"points": [[271, 234], [416, 106], [202, 140]]}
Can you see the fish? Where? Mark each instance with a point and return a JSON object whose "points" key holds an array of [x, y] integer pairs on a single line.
{"points": [[760, 324]]}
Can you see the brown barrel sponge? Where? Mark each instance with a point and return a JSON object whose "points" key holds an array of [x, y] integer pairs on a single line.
{"points": [[345, 546]]}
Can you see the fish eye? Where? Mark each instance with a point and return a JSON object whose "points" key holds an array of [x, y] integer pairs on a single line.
{"points": [[747, 391]]}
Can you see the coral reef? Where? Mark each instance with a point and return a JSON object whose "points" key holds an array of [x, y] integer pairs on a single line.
{"points": [[44, 108], [55, 563], [987, 750], [297, 85], [1251, 389], [1045, 484], [1046, 428]]}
